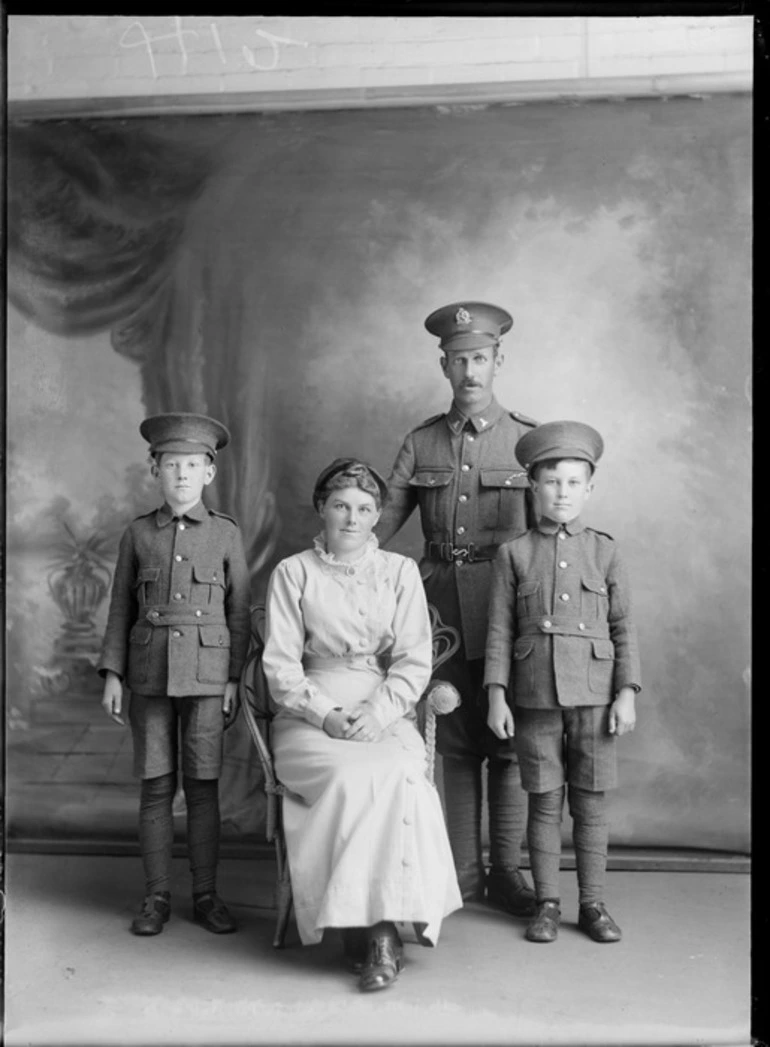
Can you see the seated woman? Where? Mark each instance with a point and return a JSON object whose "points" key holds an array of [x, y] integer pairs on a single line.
{"points": [[347, 656]]}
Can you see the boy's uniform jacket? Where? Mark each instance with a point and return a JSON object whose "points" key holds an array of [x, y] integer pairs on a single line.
{"points": [[179, 614], [560, 626]]}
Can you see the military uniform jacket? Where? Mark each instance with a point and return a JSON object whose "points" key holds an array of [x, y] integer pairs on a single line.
{"points": [[560, 626], [179, 613], [473, 495]]}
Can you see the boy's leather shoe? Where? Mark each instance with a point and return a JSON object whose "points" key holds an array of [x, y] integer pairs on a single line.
{"points": [[210, 911], [156, 910], [598, 924], [384, 958], [354, 947], [471, 880], [508, 890], [545, 926]]}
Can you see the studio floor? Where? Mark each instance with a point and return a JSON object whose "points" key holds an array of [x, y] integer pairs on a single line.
{"points": [[75, 975]]}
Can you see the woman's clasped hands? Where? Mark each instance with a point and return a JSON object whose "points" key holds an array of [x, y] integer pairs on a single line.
{"points": [[356, 726]]}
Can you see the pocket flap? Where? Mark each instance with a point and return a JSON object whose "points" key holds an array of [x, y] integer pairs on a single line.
{"points": [[503, 478], [431, 477], [147, 574], [140, 634], [595, 585], [527, 588], [209, 575], [522, 649], [604, 649], [214, 636]]}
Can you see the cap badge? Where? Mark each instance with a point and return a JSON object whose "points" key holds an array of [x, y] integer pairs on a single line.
{"points": [[462, 316]]}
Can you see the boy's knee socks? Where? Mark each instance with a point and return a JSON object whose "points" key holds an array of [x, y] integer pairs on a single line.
{"points": [[544, 841], [156, 830], [507, 813], [590, 832], [202, 797]]}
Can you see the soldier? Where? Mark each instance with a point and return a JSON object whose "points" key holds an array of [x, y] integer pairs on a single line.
{"points": [[177, 633], [460, 469], [562, 643]]}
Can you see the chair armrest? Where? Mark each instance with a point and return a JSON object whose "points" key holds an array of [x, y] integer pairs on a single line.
{"points": [[442, 697]]}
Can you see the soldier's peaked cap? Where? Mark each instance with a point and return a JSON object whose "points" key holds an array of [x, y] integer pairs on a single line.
{"points": [[468, 325], [184, 433], [560, 440]]}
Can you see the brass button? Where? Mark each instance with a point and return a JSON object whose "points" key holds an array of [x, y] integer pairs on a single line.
{"points": [[178, 558], [198, 614], [176, 633], [154, 614], [181, 526], [461, 530], [178, 596], [546, 624], [581, 625], [465, 468], [562, 535], [432, 480], [459, 563], [507, 483], [565, 597], [463, 497], [471, 438], [562, 563]]}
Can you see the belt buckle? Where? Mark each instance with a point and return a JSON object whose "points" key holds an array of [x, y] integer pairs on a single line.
{"points": [[461, 554]]}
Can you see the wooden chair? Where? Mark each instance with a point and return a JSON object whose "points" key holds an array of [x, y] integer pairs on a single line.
{"points": [[258, 710]]}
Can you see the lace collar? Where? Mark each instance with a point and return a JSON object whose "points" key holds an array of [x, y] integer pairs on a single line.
{"points": [[370, 547]]}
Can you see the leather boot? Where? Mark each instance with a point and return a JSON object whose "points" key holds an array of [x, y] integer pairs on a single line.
{"points": [[384, 958], [156, 910], [210, 911], [597, 923], [508, 890], [545, 926]]}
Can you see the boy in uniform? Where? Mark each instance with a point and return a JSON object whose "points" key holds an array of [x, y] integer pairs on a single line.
{"points": [[460, 469], [562, 642], [177, 634]]}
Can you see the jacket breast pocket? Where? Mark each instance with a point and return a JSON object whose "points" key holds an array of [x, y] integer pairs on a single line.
{"points": [[594, 599], [601, 667], [213, 654], [139, 654], [147, 585], [529, 602], [502, 501], [208, 585], [433, 491], [523, 668]]}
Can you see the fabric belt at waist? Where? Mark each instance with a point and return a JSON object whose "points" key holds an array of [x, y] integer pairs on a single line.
{"points": [[561, 625], [347, 661], [172, 614], [450, 553]]}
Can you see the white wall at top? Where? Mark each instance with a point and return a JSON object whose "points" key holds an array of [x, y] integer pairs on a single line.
{"points": [[367, 60]]}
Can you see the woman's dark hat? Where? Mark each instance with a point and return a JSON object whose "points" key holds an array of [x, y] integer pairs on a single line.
{"points": [[339, 465]]}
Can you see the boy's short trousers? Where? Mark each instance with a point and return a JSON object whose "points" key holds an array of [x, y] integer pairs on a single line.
{"points": [[155, 727], [566, 744]]}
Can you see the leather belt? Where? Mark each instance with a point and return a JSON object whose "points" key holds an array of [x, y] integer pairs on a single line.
{"points": [[561, 625], [172, 614], [346, 661], [449, 553]]}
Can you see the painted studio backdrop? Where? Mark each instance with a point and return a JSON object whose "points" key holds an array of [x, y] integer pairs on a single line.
{"points": [[275, 271]]}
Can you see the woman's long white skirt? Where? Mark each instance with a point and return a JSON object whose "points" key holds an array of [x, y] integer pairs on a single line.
{"points": [[364, 827]]}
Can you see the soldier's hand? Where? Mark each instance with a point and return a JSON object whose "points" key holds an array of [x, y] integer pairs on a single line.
{"points": [[112, 698], [499, 716], [623, 712], [230, 702]]}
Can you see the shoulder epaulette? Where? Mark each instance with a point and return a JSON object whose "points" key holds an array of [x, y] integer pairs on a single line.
{"points": [[428, 421], [144, 516], [602, 533], [224, 516], [523, 418]]}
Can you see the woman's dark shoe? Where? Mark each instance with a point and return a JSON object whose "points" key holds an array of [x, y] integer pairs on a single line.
{"points": [[354, 947], [545, 926], [598, 924], [384, 958], [508, 890], [156, 910], [210, 911]]}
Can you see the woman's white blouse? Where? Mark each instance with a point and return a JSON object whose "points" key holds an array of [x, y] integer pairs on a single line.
{"points": [[320, 606]]}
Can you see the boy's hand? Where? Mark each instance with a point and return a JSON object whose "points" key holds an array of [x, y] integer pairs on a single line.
{"points": [[230, 702], [335, 723], [362, 727], [499, 716], [623, 712], [112, 698]]}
